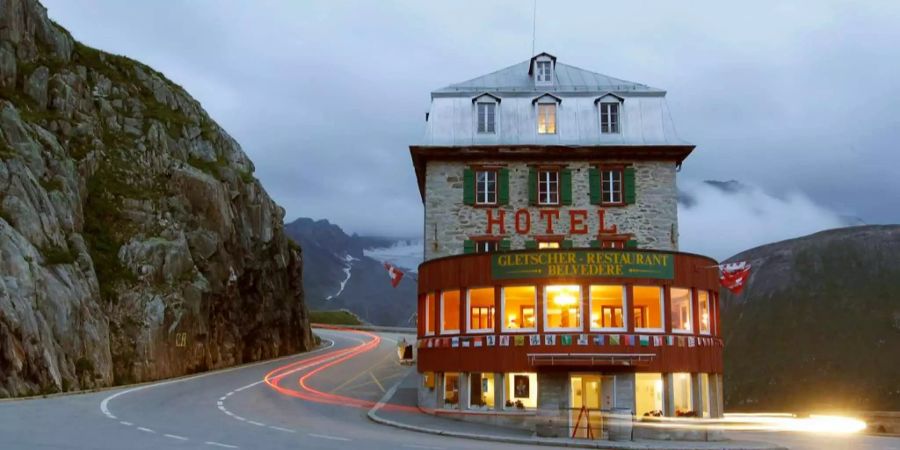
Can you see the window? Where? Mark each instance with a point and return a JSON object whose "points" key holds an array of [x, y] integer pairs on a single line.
{"points": [[681, 310], [449, 312], [703, 304], [548, 187], [562, 307], [647, 312], [682, 393], [544, 72], [429, 313], [485, 187], [481, 390], [543, 245], [518, 308], [451, 388], [607, 307], [486, 117], [486, 246], [613, 243], [521, 389], [546, 118], [481, 309], [611, 186], [648, 394], [704, 393], [609, 117]]}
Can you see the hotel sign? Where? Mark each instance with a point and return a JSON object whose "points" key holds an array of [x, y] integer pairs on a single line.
{"points": [[582, 263]]}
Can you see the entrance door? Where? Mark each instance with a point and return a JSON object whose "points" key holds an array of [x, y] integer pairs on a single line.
{"points": [[584, 416]]}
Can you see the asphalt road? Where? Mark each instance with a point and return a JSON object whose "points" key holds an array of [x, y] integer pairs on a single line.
{"points": [[316, 400]]}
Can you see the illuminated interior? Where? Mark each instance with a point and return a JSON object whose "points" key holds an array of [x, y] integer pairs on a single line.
{"points": [[562, 307], [451, 388], [481, 309], [607, 307], [682, 392], [546, 244], [647, 310], [519, 305], [648, 393], [704, 393], [429, 313], [481, 390], [703, 305], [681, 310], [521, 387], [449, 311]]}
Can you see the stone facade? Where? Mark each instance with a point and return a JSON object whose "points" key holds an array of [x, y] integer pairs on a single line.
{"points": [[653, 219]]}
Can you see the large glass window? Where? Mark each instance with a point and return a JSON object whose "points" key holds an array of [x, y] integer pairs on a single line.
{"points": [[451, 389], [607, 307], [548, 187], [648, 394], [681, 310], [429, 313], [546, 118], [449, 312], [682, 393], [647, 308], [703, 304], [486, 187], [481, 309], [481, 390], [521, 390], [519, 306], [562, 307]]}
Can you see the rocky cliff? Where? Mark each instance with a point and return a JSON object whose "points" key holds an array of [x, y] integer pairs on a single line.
{"points": [[135, 243]]}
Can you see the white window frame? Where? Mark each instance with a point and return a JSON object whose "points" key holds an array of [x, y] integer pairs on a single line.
{"points": [[580, 304], [428, 315], [662, 310], [690, 308], [469, 312], [503, 327], [555, 109], [605, 107], [492, 129], [496, 178], [459, 326], [543, 77], [708, 332], [548, 182], [625, 313], [606, 186]]}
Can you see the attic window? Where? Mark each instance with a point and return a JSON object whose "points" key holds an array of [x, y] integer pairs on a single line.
{"points": [[486, 117], [609, 117], [544, 72]]}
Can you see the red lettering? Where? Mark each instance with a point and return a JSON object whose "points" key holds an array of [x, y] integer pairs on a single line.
{"points": [[612, 229], [549, 214], [520, 228], [576, 221], [491, 221]]}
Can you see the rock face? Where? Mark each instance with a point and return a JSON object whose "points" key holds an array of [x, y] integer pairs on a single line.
{"points": [[135, 243], [818, 324]]}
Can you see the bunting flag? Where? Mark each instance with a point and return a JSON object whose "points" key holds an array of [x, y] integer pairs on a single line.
{"points": [[583, 339], [629, 339], [454, 342], [613, 339], [550, 339], [394, 273], [644, 340], [504, 341], [598, 339], [691, 341], [490, 340], [670, 341], [534, 340], [466, 342], [520, 341], [477, 342], [566, 339], [657, 341], [733, 275], [681, 341]]}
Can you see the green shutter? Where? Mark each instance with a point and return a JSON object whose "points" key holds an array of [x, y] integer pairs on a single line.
{"points": [[468, 246], [631, 243], [566, 244], [504, 245], [594, 182], [469, 186], [629, 186], [532, 186], [531, 245], [503, 186], [565, 187], [595, 244]]}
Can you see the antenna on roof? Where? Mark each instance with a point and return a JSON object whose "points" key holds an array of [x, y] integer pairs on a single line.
{"points": [[533, 28]]}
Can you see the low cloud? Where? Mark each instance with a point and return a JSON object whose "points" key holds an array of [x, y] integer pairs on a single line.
{"points": [[720, 219]]}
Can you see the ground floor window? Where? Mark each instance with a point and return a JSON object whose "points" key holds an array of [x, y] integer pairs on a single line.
{"points": [[648, 394], [481, 390], [519, 305], [481, 309], [451, 388], [704, 393], [521, 390], [681, 388]]}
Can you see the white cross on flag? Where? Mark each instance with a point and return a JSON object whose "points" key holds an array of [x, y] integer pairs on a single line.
{"points": [[395, 274], [733, 275]]}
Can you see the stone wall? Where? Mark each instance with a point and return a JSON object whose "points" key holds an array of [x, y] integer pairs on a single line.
{"points": [[653, 219]]}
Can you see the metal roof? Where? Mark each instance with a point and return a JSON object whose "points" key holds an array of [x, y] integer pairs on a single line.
{"points": [[568, 79]]}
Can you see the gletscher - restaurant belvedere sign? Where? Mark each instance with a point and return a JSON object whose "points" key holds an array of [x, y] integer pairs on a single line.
{"points": [[583, 263]]}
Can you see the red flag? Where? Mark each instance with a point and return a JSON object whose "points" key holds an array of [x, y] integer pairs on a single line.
{"points": [[734, 275], [395, 274]]}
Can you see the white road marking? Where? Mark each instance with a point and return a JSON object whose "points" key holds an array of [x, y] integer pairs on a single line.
{"points": [[175, 436], [376, 381], [423, 446], [219, 444], [256, 423], [127, 424], [325, 436], [146, 430], [286, 430]]}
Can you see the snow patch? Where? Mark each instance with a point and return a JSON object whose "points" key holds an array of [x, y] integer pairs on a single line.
{"points": [[349, 259]]}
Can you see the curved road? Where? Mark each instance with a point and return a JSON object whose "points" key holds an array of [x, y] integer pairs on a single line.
{"points": [[316, 400]]}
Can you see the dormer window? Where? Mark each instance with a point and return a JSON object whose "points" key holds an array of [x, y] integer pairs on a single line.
{"points": [[541, 69], [609, 117], [544, 72], [486, 117], [545, 109]]}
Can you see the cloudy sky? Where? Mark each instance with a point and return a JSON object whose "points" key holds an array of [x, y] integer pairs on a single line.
{"points": [[798, 101]]}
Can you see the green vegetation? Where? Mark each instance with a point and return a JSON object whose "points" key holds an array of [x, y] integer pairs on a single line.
{"points": [[6, 152], [213, 168], [57, 255], [52, 184], [340, 317]]}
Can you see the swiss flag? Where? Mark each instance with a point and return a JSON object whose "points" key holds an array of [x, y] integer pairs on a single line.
{"points": [[395, 274], [734, 275]]}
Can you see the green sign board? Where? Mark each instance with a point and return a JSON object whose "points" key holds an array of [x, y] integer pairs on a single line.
{"points": [[583, 263]]}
